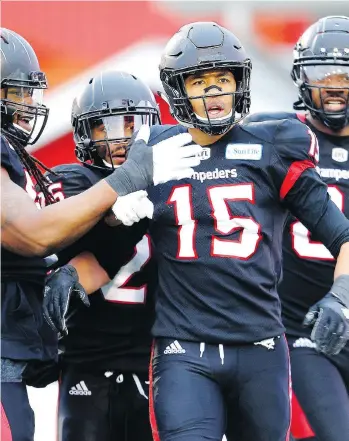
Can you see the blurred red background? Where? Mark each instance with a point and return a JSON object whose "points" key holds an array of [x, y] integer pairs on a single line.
{"points": [[72, 37]]}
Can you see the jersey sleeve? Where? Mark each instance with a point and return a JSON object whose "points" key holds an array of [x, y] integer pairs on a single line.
{"points": [[5, 155], [9, 159], [110, 245], [268, 116], [113, 247], [68, 182], [90, 242], [295, 150], [116, 245], [301, 188]]}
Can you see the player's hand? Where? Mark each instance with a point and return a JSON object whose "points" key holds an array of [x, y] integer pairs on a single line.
{"points": [[330, 320], [171, 159], [61, 285], [133, 207]]}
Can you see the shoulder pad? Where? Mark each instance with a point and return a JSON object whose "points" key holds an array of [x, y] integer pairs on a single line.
{"points": [[5, 150], [73, 178], [296, 141], [9, 159], [263, 130], [4, 142], [291, 129], [75, 171], [267, 116], [160, 133], [272, 131]]}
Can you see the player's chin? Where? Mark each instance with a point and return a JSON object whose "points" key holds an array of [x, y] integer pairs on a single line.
{"points": [[24, 125], [335, 108], [118, 160], [219, 115]]}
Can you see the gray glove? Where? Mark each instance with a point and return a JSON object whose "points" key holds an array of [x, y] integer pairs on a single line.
{"points": [[170, 159]]}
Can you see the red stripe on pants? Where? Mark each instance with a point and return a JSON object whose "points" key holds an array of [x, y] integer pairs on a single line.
{"points": [[152, 417], [300, 426], [6, 434]]}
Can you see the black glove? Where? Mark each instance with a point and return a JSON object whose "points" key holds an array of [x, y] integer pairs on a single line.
{"points": [[61, 285], [330, 318], [41, 373]]}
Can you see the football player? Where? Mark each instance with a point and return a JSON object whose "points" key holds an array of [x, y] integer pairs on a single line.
{"points": [[28, 233], [319, 358], [220, 349], [103, 392]]}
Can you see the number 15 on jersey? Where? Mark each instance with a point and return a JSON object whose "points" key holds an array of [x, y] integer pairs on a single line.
{"points": [[224, 222]]}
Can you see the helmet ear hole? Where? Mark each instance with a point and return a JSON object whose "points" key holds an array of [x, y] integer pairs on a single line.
{"points": [[87, 143], [81, 154]]}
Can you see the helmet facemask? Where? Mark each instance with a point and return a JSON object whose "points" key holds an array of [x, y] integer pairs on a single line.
{"points": [[181, 103], [103, 136], [324, 91], [23, 114]]}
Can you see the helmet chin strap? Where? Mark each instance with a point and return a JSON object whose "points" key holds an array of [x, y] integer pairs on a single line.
{"points": [[110, 165], [21, 129], [333, 123], [206, 120], [17, 132]]}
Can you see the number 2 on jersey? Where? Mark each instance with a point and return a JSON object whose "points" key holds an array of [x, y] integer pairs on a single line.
{"points": [[119, 289], [224, 222], [303, 246]]}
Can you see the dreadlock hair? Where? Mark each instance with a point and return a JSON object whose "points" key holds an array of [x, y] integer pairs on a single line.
{"points": [[32, 165]]}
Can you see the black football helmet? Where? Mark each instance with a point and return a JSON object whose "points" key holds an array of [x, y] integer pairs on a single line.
{"points": [[23, 116], [119, 103], [198, 47], [321, 52]]}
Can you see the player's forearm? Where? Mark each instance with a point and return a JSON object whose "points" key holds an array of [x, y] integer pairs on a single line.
{"points": [[91, 275], [340, 287], [41, 232], [342, 266]]}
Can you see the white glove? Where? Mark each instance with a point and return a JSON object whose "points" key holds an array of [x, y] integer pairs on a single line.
{"points": [[172, 158], [133, 207]]}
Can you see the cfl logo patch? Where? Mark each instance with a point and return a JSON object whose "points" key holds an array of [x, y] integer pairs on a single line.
{"points": [[205, 154]]}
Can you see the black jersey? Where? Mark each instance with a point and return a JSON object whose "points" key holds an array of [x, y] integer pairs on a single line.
{"points": [[114, 332], [218, 235], [25, 335], [13, 266], [308, 265]]}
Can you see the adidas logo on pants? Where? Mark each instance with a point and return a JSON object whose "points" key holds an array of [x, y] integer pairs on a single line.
{"points": [[174, 348], [80, 389]]}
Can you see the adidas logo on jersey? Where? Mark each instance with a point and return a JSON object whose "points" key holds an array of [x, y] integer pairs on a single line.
{"points": [[174, 348], [80, 389]]}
